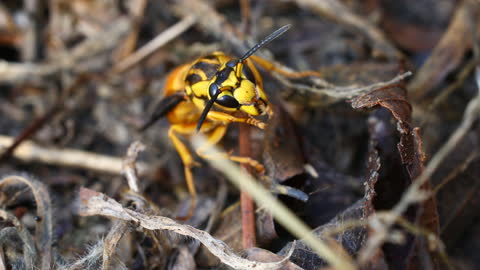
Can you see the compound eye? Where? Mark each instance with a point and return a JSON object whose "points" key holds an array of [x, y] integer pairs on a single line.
{"points": [[228, 101], [232, 63], [213, 90]]}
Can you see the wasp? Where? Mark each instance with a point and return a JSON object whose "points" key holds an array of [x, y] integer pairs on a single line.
{"points": [[204, 96]]}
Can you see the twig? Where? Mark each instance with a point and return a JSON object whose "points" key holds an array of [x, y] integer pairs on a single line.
{"points": [[247, 205], [95, 203], [136, 13], [434, 242], [334, 93], [129, 167], [32, 36], [460, 80], [279, 211], [116, 233], [43, 230], [460, 205], [446, 92], [30, 130], [455, 172], [160, 40], [28, 151]]}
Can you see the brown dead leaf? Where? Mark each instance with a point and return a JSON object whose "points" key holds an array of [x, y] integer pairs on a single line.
{"points": [[283, 156], [397, 157]]}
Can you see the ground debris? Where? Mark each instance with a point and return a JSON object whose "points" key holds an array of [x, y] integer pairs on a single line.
{"points": [[371, 143]]}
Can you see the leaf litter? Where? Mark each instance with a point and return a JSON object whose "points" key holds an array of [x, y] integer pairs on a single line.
{"points": [[376, 151]]}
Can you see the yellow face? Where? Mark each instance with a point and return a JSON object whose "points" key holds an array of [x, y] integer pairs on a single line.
{"points": [[238, 86]]}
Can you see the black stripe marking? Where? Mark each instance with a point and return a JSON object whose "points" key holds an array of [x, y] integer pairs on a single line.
{"points": [[211, 57], [223, 75], [209, 69], [193, 78], [249, 74]]}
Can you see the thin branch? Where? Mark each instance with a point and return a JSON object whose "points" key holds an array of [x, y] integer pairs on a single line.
{"points": [[129, 166], [28, 151], [116, 233], [160, 40], [334, 93]]}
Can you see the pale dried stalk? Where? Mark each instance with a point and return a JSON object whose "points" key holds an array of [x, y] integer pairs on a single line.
{"points": [[414, 193], [136, 12], [129, 165], [461, 168], [116, 233], [338, 93], [28, 151], [281, 213], [95, 203], [160, 40]]}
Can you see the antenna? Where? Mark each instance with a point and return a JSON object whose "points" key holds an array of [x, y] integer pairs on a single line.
{"points": [[206, 110], [265, 41]]}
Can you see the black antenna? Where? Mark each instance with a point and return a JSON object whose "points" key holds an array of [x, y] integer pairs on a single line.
{"points": [[265, 41], [206, 110]]}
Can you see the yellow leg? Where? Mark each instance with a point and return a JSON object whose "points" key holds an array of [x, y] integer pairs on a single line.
{"points": [[282, 70], [188, 163], [227, 118], [213, 138]]}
